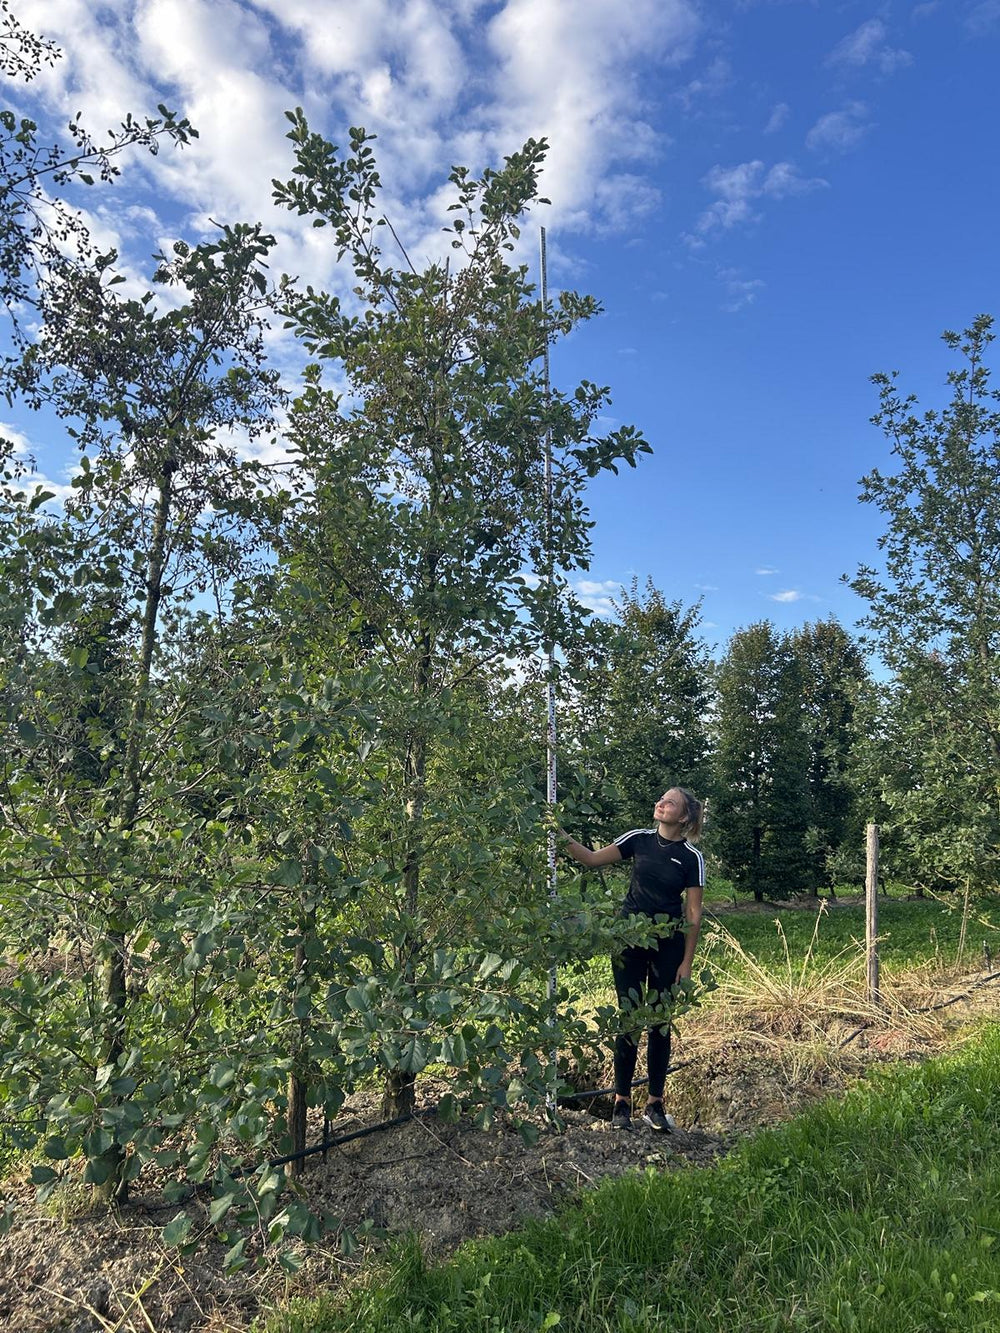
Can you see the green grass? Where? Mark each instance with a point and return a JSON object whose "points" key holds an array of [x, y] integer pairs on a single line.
{"points": [[878, 1213], [912, 932]]}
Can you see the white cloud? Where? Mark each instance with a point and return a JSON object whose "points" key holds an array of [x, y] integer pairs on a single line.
{"points": [[741, 291], [715, 80], [790, 595], [61, 491], [766, 569], [590, 588], [840, 131], [620, 200], [24, 452], [867, 45], [983, 18], [783, 179], [778, 117], [739, 187], [736, 187], [598, 596], [440, 81], [22, 445], [572, 72]]}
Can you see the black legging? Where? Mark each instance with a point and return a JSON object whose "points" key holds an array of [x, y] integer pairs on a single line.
{"points": [[640, 975]]}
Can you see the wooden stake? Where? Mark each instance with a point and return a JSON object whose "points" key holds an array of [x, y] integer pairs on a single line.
{"points": [[871, 914]]}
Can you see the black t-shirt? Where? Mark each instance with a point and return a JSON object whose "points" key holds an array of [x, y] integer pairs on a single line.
{"points": [[661, 871]]}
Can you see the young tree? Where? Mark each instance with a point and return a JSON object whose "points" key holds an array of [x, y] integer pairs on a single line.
{"points": [[638, 713], [833, 673], [761, 766], [158, 517], [424, 509], [934, 616]]}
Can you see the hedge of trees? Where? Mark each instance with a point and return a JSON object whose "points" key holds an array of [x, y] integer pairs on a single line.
{"points": [[272, 819]]}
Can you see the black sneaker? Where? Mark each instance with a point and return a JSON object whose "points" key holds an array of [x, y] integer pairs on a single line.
{"points": [[621, 1117], [654, 1117]]}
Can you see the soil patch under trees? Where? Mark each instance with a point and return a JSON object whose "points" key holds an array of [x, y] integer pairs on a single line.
{"points": [[69, 1269]]}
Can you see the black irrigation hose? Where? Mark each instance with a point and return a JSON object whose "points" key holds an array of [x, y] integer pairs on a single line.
{"points": [[983, 981], [412, 1115], [604, 1092], [326, 1144], [566, 1097], [342, 1138], [240, 1171], [930, 1008], [425, 1111]]}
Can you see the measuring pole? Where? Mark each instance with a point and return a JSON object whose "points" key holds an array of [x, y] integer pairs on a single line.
{"points": [[550, 647], [871, 914]]}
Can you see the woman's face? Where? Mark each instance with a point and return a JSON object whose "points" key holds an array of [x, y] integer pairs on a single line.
{"points": [[671, 808]]}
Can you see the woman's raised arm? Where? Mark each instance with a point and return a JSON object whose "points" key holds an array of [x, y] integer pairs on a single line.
{"points": [[604, 856]]}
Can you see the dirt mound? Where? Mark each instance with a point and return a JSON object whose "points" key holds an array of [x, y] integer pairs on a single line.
{"points": [[89, 1274]]}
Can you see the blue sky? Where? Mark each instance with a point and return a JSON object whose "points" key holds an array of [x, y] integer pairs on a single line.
{"points": [[772, 198]]}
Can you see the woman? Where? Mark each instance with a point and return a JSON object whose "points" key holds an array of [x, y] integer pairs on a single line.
{"points": [[668, 879]]}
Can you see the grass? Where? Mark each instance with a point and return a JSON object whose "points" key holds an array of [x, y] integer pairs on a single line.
{"points": [[912, 932], [878, 1213], [784, 941]]}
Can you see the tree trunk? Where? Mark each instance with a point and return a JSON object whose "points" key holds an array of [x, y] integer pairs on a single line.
{"points": [[296, 1119], [298, 1085], [400, 1087], [115, 981], [400, 1095]]}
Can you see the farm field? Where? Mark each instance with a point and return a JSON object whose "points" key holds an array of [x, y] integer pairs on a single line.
{"points": [[787, 1029]]}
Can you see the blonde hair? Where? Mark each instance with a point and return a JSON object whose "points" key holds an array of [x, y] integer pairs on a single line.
{"points": [[694, 814]]}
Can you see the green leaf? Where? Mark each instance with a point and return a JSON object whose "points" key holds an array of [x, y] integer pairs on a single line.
{"points": [[288, 874], [40, 1175], [235, 1259], [459, 1054], [219, 1207], [271, 1182], [489, 965], [97, 1171], [178, 1231], [290, 1260], [27, 731]]}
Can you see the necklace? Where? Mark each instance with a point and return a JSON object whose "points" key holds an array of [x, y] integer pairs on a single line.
{"points": [[661, 842]]}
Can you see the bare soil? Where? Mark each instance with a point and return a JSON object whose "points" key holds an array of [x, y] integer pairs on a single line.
{"points": [[67, 1268]]}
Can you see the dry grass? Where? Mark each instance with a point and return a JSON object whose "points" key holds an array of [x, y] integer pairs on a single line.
{"points": [[771, 1038], [801, 997], [777, 1033]]}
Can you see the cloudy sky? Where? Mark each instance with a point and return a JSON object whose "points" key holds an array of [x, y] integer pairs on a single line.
{"points": [[773, 199]]}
